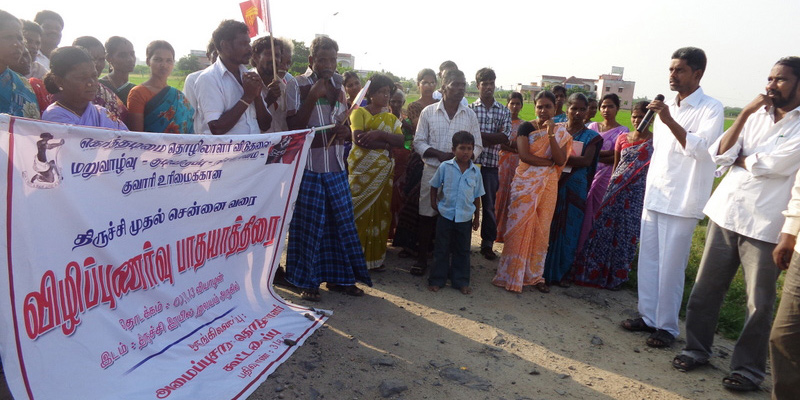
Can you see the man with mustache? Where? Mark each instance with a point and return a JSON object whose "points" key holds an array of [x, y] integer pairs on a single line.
{"points": [[229, 97], [275, 95], [678, 185], [323, 241], [433, 140], [761, 148]]}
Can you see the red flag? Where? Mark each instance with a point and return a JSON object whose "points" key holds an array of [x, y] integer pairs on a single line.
{"points": [[250, 13]]}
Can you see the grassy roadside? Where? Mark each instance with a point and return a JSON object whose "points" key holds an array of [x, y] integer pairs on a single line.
{"points": [[174, 81]]}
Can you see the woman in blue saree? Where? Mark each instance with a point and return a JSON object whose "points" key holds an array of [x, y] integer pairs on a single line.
{"points": [[573, 187], [154, 106]]}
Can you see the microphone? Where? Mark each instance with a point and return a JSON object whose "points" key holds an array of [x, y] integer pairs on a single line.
{"points": [[648, 117]]}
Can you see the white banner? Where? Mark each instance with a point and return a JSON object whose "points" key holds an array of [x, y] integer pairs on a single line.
{"points": [[138, 265]]}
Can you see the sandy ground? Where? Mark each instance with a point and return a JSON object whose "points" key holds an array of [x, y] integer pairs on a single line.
{"points": [[491, 344], [401, 341]]}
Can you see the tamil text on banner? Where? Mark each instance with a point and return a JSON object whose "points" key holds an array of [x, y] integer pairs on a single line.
{"points": [[138, 265]]}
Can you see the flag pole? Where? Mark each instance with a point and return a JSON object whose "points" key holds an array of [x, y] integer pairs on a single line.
{"points": [[268, 23]]}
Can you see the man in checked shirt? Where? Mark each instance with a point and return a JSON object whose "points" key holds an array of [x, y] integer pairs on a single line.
{"points": [[495, 125]]}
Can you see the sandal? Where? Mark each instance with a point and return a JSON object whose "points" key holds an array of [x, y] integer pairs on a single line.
{"points": [[739, 383], [660, 339], [636, 325], [685, 363], [418, 269], [350, 290], [310, 295], [542, 287]]}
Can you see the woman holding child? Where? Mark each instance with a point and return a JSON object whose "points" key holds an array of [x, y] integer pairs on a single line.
{"points": [[405, 235], [375, 132], [543, 148]]}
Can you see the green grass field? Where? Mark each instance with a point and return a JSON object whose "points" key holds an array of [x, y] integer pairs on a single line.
{"points": [[174, 81], [733, 310]]}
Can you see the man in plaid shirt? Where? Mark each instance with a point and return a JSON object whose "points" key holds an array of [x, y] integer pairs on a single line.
{"points": [[495, 125]]}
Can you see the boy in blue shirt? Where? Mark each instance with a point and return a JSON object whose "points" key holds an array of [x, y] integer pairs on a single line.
{"points": [[462, 187]]}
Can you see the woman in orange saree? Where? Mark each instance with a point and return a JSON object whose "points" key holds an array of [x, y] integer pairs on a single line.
{"points": [[543, 148]]}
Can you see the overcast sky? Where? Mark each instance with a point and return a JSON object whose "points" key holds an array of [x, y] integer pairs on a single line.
{"points": [[518, 39]]}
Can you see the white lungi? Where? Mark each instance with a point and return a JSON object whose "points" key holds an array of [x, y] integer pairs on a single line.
{"points": [[665, 242]]}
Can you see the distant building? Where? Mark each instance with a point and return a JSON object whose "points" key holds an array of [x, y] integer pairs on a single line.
{"points": [[606, 83], [549, 80], [614, 83], [346, 60], [583, 83], [528, 91], [200, 55]]}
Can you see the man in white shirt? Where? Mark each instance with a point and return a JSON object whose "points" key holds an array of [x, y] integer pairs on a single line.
{"points": [[434, 142], [784, 343], [228, 95], [189, 87], [678, 185], [761, 148], [52, 24]]}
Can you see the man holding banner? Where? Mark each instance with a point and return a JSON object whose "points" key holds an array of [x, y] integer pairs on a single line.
{"points": [[323, 241], [228, 95]]}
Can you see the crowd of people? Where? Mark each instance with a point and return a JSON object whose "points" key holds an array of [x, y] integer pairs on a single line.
{"points": [[572, 201]]}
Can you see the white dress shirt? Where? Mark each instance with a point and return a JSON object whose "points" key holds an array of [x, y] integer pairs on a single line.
{"points": [[435, 129], [748, 201], [42, 59], [792, 213], [679, 179], [38, 71], [191, 97], [217, 91]]}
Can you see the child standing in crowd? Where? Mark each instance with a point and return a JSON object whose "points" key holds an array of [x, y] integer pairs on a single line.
{"points": [[462, 188]]}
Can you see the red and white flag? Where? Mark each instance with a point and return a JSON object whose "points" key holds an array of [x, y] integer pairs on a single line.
{"points": [[250, 12]]}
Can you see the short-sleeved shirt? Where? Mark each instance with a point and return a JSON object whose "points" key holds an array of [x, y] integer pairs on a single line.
{"points": [[459, 190], [435, 129], [679, 179], [496, 119], [216, 91], [320, 159]]}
